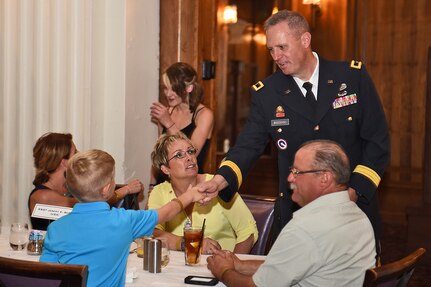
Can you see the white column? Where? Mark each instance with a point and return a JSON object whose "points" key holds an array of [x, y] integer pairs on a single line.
{"points": [[142, 87]]}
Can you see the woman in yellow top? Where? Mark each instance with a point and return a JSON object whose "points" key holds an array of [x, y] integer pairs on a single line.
{"points": [[228, 226]]}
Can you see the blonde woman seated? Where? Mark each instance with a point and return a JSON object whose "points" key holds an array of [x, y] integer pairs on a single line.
{"points": [[229, 226]]}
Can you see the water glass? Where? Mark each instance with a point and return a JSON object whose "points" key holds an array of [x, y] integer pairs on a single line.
{"points": [[165, 252], [18, 237]]}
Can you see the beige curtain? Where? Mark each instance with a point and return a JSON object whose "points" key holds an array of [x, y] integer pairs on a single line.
{"points": [[77, 66]]}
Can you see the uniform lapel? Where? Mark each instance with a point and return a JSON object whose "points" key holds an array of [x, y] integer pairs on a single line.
{"points": [[327, 90], [292, 96]]}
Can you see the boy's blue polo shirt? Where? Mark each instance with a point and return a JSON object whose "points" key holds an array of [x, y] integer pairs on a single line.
{"points": [[96, 235]]}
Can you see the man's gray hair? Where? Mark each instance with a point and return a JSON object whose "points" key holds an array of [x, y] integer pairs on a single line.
{"points": [[331, 156], [295, 20]]}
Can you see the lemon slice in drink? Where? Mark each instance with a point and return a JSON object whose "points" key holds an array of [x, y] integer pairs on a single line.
{"points": [[194, 244]]}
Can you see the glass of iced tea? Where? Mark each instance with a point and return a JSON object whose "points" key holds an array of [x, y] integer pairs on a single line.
{"points": [[18, 236], [193, 247]]}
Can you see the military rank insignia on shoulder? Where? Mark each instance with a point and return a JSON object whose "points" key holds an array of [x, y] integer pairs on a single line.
{"points": [[259, 85], [355, 64]]}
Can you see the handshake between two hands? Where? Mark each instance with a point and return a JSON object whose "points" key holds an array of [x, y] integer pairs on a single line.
{"points": [[204, 192]]}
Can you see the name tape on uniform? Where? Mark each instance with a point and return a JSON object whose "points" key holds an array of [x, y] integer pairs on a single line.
{"points": [[279, 123], [46, 211]]}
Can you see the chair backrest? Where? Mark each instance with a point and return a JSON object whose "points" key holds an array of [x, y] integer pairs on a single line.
{"points": [[396, 273], [262, 209], [130, 201], [23, 273]]}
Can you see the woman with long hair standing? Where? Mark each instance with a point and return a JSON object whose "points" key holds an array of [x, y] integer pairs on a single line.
{"points": [[184, 111]]}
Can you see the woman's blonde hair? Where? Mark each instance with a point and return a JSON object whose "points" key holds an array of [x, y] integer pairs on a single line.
{"points": [[160, 156]]}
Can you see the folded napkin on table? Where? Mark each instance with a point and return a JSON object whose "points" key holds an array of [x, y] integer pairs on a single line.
{"points": [[131, 274]]}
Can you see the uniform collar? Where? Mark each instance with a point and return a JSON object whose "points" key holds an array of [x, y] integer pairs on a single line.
{"points": [[314, 79]]}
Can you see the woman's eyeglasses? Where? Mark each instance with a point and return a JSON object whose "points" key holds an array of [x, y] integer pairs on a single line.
{"points": [[179, 154]]}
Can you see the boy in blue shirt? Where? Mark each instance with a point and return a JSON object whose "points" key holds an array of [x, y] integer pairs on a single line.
{"points": [[95, 235]]}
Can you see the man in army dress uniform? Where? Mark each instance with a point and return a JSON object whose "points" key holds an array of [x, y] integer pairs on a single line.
{"points": [[309, 98]]}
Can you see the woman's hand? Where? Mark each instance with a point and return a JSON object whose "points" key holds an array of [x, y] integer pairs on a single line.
{"points": [[161, 113], [210, 246], [194, 193], [135, 186], [211, 188]]}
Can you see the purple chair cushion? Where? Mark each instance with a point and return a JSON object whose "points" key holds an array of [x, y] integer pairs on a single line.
{"points": [[263, 213]]}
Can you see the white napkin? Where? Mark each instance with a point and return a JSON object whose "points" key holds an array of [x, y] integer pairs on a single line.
{"points": [[131, 274]]}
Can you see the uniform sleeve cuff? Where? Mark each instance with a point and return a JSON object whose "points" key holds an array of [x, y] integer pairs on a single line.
{"points": [[365, 189], [228, 193]]}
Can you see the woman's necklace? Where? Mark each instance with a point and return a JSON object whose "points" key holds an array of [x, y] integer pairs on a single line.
{"points": [[188, 224]]}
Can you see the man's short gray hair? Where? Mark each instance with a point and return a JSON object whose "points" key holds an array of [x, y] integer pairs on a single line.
{"points": [[295, 20], [330, 156]]}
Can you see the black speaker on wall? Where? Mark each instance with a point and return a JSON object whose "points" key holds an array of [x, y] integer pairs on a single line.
{"points": [[208, 70]]}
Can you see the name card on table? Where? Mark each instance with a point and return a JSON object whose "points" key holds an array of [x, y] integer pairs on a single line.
{"points": [[46, 211]]}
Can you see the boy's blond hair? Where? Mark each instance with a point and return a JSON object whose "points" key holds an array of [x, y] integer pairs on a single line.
{"points": [[88, 173]]}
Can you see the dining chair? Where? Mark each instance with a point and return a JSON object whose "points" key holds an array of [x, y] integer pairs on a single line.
{"points": [[23, 273], [394, 274], [262, 209], [130, 201]]}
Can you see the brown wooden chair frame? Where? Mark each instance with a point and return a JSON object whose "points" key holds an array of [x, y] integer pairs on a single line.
{"points": [[398, 272], [68, 274]]}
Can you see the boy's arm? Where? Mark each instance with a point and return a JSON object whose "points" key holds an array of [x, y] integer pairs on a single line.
{"points": [[48, 255], [171, 209]]}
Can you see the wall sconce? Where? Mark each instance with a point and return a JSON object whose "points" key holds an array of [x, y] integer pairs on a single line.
{"points": [[275, 8], [254, 34], [315, 10], [229, 15], [260, 39]]}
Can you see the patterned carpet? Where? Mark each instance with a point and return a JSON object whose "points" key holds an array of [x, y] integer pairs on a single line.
{"points": [[394, 247]]}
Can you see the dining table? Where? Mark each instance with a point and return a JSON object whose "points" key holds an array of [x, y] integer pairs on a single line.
{"points": [[172, 275]]}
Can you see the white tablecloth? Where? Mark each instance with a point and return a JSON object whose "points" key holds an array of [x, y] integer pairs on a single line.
{"points": [[172, 275]]}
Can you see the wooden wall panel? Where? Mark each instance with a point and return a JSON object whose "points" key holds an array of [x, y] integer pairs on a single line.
{"points": [[394, 41], [329, 34], [207, 50], [188, 30], [169, 36], [221, 77]]}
